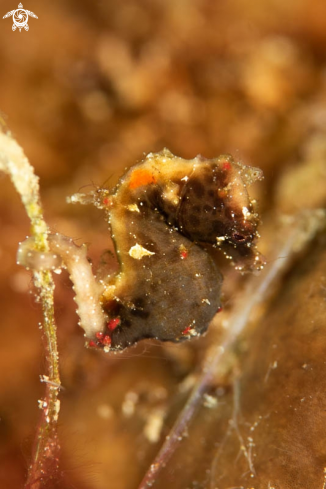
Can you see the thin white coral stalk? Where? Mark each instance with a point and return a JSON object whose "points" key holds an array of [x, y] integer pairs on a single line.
{"points": [[14, 162]]}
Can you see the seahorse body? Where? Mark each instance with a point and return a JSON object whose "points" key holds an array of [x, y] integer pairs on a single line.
{"points": [[161, 213]]}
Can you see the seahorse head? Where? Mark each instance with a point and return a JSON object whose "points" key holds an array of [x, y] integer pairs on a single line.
{"points": [[207, 200]]}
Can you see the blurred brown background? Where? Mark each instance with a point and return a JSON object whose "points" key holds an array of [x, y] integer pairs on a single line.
{"points": [[89, 89]]}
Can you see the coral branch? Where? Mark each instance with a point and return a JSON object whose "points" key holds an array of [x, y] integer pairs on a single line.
{"points": [[46, 447]]}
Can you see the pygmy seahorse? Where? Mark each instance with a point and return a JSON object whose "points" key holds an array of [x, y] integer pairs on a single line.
{"points": [[163, 214]]}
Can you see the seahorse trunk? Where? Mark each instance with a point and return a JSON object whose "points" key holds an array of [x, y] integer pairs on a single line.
{"points": [[168, 287]]}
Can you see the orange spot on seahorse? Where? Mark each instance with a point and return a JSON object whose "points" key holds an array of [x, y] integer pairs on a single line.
{"points": [[141, 177]]}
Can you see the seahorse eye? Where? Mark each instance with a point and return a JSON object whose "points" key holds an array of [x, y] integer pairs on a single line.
{"points": [[239, 237]]}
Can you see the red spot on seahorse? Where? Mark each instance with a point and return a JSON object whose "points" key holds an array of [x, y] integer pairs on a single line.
{"points": [[186, 330], [106, 340], [226, 166], [183, 252], [107, 201], [113, 323]]}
